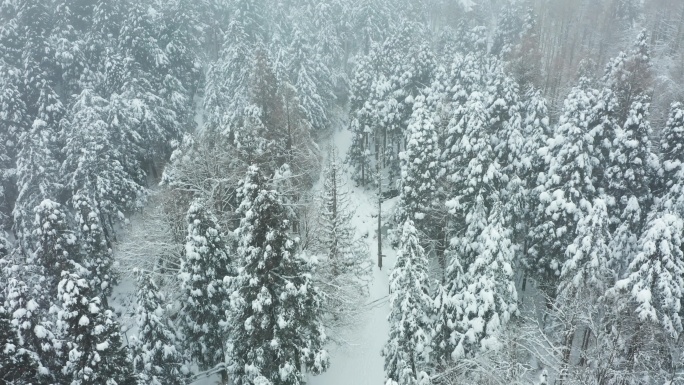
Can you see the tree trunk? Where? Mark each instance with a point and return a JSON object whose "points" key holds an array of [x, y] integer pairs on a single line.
{"points": [[379, 215]]}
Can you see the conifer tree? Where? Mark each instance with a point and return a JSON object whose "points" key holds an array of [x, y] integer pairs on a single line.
{"points": [[359, 155], [17, 366], [148, 81], [470, 156], [204, 266], [94, 166], [655, 281], [14, 120], [536, 131], [508, 31], [360, 124], [586, 269], [570, 183], [444, 337], [158, 360], [632, 164], [525, 62], [624, 242], [337, 240], [55, 244], [229, 76], [485, 294], [93, 344], [312, 79], [405, 352], [629, 76], [97, 255], [37, 161], [671, 183], [627, 11], [275, 312], [28, 309], [10, 367], [420, 162]]}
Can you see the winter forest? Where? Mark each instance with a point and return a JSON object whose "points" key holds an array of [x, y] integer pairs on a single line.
{"points": [[341, 192]]}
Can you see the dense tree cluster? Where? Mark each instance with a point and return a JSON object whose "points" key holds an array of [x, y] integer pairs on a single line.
{"points": [[580, 213], [92, 94], [540, 203]]}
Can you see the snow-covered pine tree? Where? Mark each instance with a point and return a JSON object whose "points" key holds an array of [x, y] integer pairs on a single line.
{"points": [[37, 169], [369, 23], [97, 255], [485, 293], [670, 181], [627, 11], [17, 366], [629, 76], [536, 131], [359, 155], [253, 14], [265, 138], [406, 350], [312, 79], [157, 357], [525, 62], [504, 108], [204, 266], [36, 336], [470, 157], [149, 86], [5, 252], [178, 37], [11, 38], [586, 271], [624, 242], [93, 345], [66, 42], [94, 167], [229, 76], [103, 56], [569, 184], [656, 274], [511, 146], [407, 67], [326, 27], [420, 165], [14, 120], [345, 254], [473, 40], [443, 337], [632, 165], [477, 230], [508, 31], [275, 318], [55, 245]]}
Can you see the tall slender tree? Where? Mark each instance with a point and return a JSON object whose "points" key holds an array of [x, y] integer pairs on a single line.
{"points": [[275, 312], [158, 359], [406, 350], [204, 266], [95, 352]]}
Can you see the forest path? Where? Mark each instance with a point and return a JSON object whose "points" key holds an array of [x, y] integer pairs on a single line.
{"points": [[358, 361]]}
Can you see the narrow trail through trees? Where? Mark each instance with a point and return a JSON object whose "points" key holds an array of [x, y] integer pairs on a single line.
{"points": [[359, 360]]}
